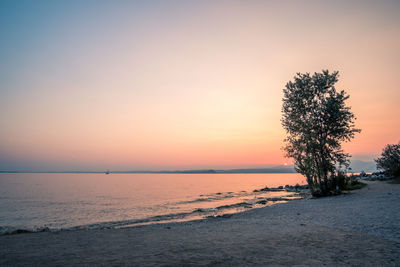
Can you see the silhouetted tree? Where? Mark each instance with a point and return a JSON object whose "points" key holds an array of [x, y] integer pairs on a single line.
{"points": [[317, 121], [389, 161]]}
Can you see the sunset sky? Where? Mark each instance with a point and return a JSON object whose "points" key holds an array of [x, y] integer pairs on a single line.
{"points": [[129, 85]]}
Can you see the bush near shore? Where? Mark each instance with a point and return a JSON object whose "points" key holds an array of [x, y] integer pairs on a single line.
{"points": [[389, 161]]}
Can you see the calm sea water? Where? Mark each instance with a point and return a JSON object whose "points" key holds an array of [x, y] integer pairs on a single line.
{"points": [[64, 201]]}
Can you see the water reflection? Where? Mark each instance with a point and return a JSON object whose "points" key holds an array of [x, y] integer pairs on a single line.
{"points": [[30, 201]]}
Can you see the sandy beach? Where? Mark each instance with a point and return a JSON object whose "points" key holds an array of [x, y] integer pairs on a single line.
{"points": [[358, 228]]}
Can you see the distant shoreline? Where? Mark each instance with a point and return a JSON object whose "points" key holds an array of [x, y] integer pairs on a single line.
{"points": [[207, 171]]}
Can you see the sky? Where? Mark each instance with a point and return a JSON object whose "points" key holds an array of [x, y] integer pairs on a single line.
{"points": [[133, 85]]}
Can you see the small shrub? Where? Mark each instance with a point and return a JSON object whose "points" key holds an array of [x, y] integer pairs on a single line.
{"points": [[341, 181], [353, 184]]}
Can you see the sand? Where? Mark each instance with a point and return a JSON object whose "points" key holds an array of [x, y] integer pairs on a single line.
{"points": [[358, 228]]}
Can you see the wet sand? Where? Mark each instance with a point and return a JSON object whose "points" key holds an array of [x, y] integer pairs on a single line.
{"points": [[359, 228]]}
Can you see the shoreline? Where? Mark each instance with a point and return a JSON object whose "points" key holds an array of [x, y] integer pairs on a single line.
{"points": [[361, 227], [242, 201]]}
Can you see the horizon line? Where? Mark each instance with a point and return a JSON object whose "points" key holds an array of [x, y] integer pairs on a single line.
{"points": [[277, 169]]}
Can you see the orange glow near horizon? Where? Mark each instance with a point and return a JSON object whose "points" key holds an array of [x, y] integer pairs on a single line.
{"points": [[189, 85]]}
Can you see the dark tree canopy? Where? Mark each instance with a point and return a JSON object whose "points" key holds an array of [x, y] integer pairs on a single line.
{"points": [[317, 121], [389, 161]]}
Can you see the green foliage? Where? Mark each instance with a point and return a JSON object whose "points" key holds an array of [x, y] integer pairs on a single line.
{"points": [[317, 121], [389, 161], [338, 181], [353, 183]]}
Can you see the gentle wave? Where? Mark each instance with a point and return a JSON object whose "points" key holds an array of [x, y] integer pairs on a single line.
{"points": [[198, 213], [225, 195]]}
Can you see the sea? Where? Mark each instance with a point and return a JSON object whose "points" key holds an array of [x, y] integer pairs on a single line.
{"points": [[31, 202]]}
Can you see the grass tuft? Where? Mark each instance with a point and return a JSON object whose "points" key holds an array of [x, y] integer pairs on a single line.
{"points": [[354, 184]]}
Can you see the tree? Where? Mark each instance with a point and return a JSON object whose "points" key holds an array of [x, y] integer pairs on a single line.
{"points": [[317, 121], [389, 161]]}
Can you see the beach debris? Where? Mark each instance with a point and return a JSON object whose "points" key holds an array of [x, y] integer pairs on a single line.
{"points": [[205, 210], [43, 229], [296, 188], [236, 205], [223, 216], [20, 231], [274, 199], [289, 188]]}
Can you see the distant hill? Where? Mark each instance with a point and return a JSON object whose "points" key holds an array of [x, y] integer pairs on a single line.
{"points": [[263, 170], [356, 166], [367, 166], [278, 169]]}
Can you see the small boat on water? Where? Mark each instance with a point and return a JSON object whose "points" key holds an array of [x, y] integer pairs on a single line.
{"points": [[107, 172]]}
